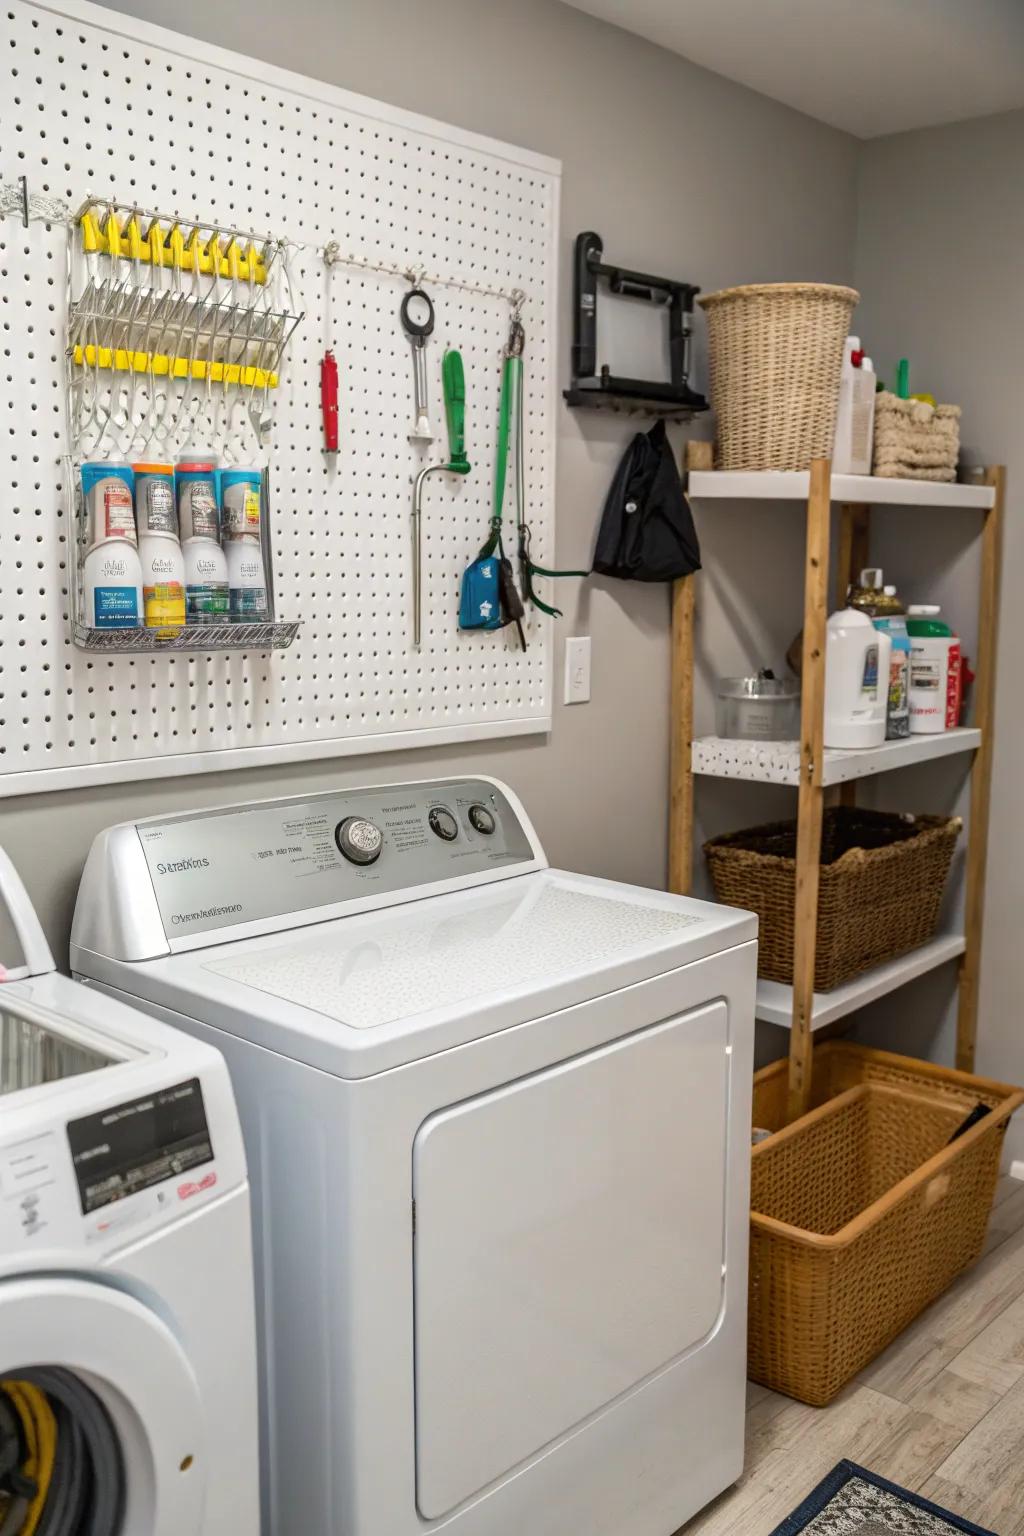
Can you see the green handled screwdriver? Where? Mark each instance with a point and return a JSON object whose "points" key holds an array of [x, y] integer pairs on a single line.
{"points": [[454, 380]]}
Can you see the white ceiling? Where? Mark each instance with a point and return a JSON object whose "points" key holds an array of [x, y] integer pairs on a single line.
{"points": [[869, 66]]}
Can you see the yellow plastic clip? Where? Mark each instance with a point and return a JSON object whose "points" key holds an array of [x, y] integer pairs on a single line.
{"points": [[133, 239], [233, 256], [192, 255], [155, 241], [112, 234], [90, 233], [252, 262], [160, 364], [175, 241], [213, 256]]}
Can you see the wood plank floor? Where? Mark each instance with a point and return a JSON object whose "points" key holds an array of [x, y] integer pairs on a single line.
{"points": [[941, 1411]]}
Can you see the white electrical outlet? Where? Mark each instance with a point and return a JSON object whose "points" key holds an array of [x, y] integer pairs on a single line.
{"points": [[577, 670]]}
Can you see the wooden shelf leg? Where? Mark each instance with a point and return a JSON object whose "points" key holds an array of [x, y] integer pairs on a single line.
{"points": [[680, 846], [853, 556], [680, 826], [812, 795], [981, 772]]}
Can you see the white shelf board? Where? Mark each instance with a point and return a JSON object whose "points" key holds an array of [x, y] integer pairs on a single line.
{"points": [[778, 762], [775, 1002], [871, 490]]}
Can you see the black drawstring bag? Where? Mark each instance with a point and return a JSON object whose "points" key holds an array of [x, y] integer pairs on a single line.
{"points": [[647, 531]]}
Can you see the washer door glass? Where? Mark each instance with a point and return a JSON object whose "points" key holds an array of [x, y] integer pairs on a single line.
{"points": [[97, 1388], [569, 1243]]}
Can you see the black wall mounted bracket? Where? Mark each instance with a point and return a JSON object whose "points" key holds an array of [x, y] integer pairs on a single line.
{"points": [[596, 386]]}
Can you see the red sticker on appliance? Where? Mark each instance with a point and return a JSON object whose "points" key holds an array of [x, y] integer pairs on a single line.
{"points": [[196, 1187]]}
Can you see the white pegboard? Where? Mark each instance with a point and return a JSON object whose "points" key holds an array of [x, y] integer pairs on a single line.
{"points": [[95, 103]]}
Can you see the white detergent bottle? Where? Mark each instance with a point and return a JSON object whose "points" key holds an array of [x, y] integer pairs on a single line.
{"points": [[112, 584], [855, 415], [163, 579], [857, 658]]}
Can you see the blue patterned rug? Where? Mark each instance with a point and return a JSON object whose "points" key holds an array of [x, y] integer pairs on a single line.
{"points": [[851, 1501]]}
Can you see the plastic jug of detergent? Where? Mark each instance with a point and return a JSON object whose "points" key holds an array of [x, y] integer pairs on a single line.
{"points": [[882, 605], [935, 667], [857, 657]]}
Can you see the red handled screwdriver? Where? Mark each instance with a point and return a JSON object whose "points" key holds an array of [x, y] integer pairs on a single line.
{"points": [[329, 401]]}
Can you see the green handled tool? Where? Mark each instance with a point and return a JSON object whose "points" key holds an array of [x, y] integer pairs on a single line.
{"points": [[454, 379], [511, 444]]}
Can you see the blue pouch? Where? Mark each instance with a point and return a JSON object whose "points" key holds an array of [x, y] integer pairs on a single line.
{"points": [[480, 603]]}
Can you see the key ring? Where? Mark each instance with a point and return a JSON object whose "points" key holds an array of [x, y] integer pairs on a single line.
{"points": [[420, 329]]}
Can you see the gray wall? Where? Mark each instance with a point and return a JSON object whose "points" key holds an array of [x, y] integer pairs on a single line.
{"points": [[941, 230], [682, 173]]}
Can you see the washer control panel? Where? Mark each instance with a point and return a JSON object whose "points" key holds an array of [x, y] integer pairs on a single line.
{"points": [[247, 863]]}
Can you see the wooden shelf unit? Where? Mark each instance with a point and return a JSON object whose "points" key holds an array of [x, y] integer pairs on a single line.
{"points": [[810, 768]]}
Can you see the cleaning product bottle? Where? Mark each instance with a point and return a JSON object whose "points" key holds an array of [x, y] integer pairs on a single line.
{"points": [[206, 582], [864, 418], [935, 671], [855, 415], [897, 713], [870, 594], [247, 584], [163, 566], [857, 657], [206, 569], [111, 573], [163, 579]]}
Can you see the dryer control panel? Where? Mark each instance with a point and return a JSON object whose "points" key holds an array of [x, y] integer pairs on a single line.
{"points": [[346, 850]]}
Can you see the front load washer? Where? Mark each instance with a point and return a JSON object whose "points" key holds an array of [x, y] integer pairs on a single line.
{"points": [[497, 1119], [127, 1326]]}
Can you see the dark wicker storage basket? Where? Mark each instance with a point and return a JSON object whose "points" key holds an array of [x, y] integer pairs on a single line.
{"points": [[881, 884]]}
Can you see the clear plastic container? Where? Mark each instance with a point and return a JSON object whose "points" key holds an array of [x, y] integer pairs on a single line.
{"points": [[760, 708]]}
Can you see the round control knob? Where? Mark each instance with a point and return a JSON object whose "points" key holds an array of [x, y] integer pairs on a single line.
{"points": [[359, 840], [481, 818], [443, 823]]}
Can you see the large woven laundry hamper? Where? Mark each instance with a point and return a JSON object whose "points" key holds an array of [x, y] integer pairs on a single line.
{"points": [[862, 1212], [776, 354]]}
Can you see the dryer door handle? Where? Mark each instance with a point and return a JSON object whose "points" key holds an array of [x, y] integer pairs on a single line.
{"points": [[38, 959]]}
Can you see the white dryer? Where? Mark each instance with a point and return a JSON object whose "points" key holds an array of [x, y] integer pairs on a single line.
{"points": [[127, 1329], [498, 1121]]}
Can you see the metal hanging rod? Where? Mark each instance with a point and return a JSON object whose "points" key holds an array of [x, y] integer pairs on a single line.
{"points": [[332, 256], [16, 198]]}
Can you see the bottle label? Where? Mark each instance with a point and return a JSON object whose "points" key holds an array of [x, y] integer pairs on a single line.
{"points": [[925, 673], [115, 608], [164, 603], [207, 602], [249, 603], [242, 509], [897, 715], [118, 521], [158, 515], [869, 681], [954, 686], [198, 507]]}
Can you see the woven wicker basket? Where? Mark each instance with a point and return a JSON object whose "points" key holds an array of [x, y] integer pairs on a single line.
{"points": [[838, 1065], [880, 890], [862, 1213], [776, 354]]}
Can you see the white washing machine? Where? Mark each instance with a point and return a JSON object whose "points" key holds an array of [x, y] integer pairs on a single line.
{"points": [[497, 1119], [127, 1328]]}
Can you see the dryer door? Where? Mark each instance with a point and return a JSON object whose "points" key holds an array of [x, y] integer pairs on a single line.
{"points": [[139, 1419], [569, 1243]]}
